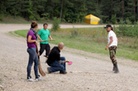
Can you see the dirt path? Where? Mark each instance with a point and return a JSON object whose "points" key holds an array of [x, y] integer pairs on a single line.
{"points": [[89, 72]]}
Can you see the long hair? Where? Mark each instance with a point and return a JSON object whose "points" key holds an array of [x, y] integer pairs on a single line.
{"points": [[112, 28], [34, 24]]}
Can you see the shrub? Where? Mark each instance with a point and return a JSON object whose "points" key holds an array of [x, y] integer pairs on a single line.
{"points": [[46, 16], [128, 21], [74, 32], [55, 25], [128, 30], [113, 19], [1, 17]]}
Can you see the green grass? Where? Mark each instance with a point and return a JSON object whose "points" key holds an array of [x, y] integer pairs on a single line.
{"points": [[21, 32], [92, 40]]}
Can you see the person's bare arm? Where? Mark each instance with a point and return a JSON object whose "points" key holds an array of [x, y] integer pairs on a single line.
{"points": [[50, 37], [30, 39], [39, 37]]}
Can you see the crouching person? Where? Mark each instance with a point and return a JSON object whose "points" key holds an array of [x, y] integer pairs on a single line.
{"points": [[55, 61]]}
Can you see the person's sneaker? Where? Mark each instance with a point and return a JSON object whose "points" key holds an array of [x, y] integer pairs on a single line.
{"points": [[30, 80], [38, 79], [63, 72]]}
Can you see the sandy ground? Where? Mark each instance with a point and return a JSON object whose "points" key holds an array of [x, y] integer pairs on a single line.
{"points": [[89, 72]]}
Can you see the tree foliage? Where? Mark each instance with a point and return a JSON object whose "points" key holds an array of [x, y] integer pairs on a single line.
{"points": [[72, 11]]}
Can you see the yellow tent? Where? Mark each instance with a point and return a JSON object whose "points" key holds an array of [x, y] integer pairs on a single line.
{"points": [[91, 19]]}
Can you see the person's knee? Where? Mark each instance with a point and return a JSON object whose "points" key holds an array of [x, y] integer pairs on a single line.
{"points": [[111, 57], [113, 60], [36, 63], [62, 67], [62, 58], [29, 67]]}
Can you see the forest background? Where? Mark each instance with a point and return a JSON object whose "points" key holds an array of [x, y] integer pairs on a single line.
{"points": [[71, 11]]}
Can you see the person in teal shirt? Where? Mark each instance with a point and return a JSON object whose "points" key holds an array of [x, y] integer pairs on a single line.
{"points": [[44, 36]]}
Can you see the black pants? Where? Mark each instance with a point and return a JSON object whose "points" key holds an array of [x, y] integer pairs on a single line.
{"points": [[44, 47]]}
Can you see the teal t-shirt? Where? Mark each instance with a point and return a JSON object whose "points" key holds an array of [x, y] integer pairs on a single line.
{"points": [[44, 35]]}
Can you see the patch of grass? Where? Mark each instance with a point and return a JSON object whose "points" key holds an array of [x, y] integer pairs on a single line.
{"points": [[21, 32], [92, 40], [81, 40], [127, 53]]}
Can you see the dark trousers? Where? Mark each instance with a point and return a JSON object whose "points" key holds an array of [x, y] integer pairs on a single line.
{"points": [[45, 47], [33, 58], [58, 66]]}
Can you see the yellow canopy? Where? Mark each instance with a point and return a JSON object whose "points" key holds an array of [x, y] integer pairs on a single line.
{"points": [[91, 19]]}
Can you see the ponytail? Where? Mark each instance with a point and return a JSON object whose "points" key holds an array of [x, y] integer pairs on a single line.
{"points": [[34, 24], [112, 28]]}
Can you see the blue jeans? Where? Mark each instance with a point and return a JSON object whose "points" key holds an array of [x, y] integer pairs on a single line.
{"points": [[33, 57], [58, 66]]}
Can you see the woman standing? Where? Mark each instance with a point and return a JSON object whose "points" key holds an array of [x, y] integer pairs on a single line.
{"points": [[112, 46], [32, 51]]}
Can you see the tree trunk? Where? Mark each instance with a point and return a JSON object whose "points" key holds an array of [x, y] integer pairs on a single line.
{"points": [[61, 10], [134, 9], [122, 9]]}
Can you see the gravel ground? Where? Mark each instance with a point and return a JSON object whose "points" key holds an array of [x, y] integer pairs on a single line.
{"points": [[89, 71]]}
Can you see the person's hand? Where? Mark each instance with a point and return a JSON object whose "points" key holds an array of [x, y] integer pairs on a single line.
{"points": [[40, 40], [66, 61], [51, 39], [36, 42], [38, 53], [106, 47]]}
